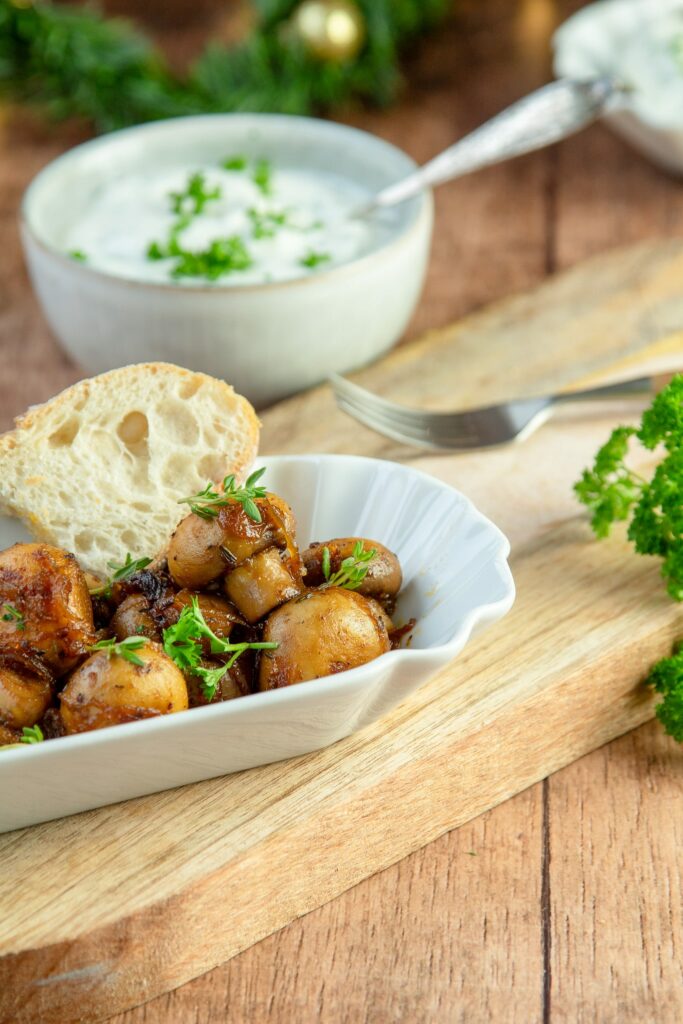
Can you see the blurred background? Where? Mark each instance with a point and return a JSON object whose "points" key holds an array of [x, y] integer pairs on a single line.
{"points": [[497, 232]]}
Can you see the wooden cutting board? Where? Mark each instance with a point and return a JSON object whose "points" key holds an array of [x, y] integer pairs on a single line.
{"points": [[107, 909]]}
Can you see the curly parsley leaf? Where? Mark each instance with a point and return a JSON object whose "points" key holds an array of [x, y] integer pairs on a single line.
{"points": [[615, 493], [609, 489], [666, 678], [183, 644]]}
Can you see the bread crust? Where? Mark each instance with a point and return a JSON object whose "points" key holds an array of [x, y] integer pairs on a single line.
{"points": [[211, 431]]}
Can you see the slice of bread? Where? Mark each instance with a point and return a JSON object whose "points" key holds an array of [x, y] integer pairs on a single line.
{"points": [[98, 470]]}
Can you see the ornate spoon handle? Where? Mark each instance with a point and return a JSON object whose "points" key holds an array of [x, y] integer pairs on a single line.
{"points": [[544, 116]]}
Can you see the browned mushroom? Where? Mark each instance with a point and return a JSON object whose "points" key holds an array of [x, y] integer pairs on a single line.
{"points": [[202, 550], [108, 689], [319, 634], [383, 577], [46, 606]]}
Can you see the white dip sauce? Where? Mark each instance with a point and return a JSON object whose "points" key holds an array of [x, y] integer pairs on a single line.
{"points": [[640, 42], [293, 224]]}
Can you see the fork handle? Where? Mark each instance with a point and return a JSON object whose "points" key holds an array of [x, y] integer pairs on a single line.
{"points": [[547, 115], [636, 386]]}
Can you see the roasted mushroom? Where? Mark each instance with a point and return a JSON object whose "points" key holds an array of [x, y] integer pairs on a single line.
{"points": [[219, 614], [321, 633], [235, 683], [383, 577], [108, 689], [134, 618], [263, 582], [25, 691], [46, 607], [202, 550]]}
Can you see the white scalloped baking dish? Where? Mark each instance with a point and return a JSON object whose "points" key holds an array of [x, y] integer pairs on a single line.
{"points": [[457, 581]]}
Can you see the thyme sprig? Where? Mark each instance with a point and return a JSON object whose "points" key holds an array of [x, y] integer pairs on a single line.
{"points": [[12, 614], [207, 503], [123, 648], [121, 572], [352, 571], [31, 734]]}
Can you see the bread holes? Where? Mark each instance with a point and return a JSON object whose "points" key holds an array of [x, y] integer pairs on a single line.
{"points": [[174, 469], [84, 541], [211, 467], [133, 430], [189, 388], [65, 433], [179, 425], [130, 539]]}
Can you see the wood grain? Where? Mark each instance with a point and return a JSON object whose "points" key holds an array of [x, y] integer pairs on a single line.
{"points": [[478, 946], [527, 689], [617, 893]]}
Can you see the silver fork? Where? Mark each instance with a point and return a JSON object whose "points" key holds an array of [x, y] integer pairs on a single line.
{"points": [[484, 427]]}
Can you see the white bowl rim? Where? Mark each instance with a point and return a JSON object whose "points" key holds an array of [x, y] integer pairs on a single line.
{"points": [[339, 681], [423, 206]]}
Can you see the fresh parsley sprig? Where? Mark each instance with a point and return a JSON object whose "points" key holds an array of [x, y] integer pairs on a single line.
{"points": [[208, 502], [31, 734], [12, 614], [123, 648], [121, 572], [654, 508], [352, 570], [666, 677], [182, 643]]}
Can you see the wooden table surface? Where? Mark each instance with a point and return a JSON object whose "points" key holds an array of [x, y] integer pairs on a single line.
{"points": [[556, 905]]}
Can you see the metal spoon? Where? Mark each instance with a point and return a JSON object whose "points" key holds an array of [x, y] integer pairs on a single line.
{"points": [[541, 118]]}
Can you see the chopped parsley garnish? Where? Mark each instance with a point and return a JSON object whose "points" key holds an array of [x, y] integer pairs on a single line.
{"points": [[265, 223], [235, 163], [262, 177], [207, 503], [12, 614], [31, 734], [123, 648], [222, 256], [314, 259], [182, 643], [192, 201], [121, 572], [78, 255], [352, 570]]}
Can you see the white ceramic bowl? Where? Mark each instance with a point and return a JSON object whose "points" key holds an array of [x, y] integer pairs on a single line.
{"points": [[268, 340], [591, 43], [457, 581]]}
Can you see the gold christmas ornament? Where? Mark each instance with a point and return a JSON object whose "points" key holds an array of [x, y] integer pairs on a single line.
{"points": [[329, 29]]}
